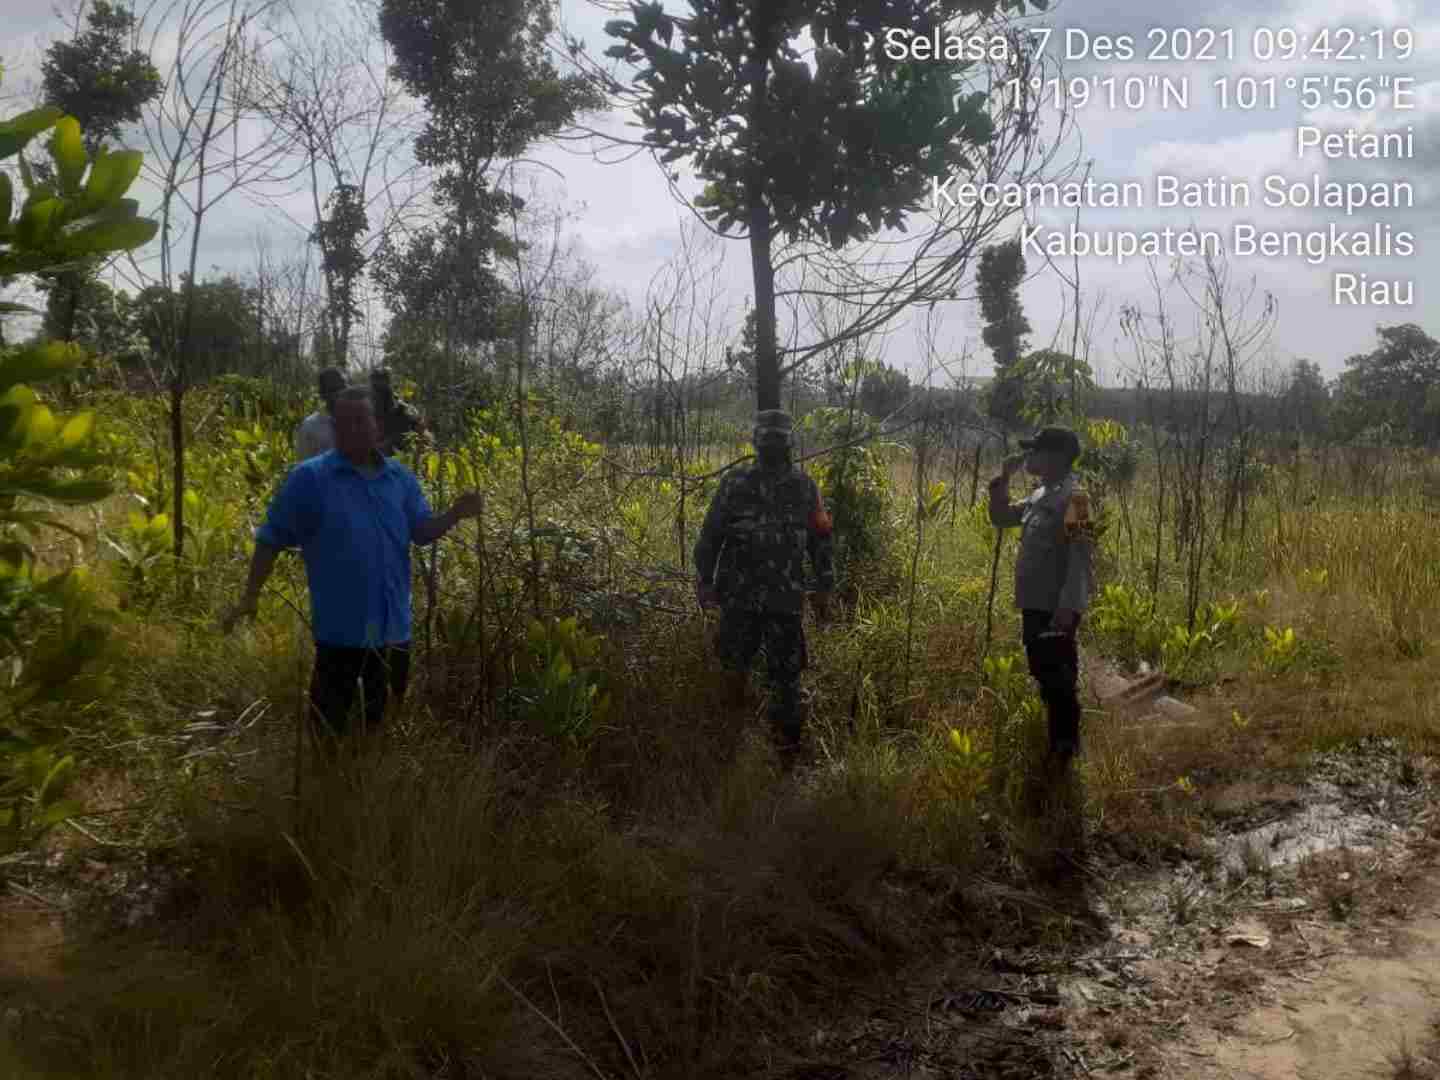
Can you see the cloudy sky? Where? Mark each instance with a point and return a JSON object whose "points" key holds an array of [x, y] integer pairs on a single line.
{"points": [[627, 224]]}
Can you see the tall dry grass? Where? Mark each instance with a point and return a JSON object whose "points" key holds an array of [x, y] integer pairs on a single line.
{"points": [[473, 897]]}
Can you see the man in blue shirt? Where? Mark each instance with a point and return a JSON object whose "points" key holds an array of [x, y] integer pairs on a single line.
{"points": [[353, 513]]}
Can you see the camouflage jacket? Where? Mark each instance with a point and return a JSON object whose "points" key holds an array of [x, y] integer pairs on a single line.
{"points": [[397, 424], [1051, 571], [753, 543]]}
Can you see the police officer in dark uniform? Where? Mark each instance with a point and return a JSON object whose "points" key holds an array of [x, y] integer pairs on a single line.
{"points": [[1053, 573], [750, 559]]}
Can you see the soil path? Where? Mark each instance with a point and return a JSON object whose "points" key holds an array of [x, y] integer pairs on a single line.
{"points": [[1293, 996], [1354, 1019], [1325, 966]]}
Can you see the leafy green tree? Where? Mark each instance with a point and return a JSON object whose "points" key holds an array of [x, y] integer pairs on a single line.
{"points": [[829, 154], [98, 80], [1002, 269], [490, 90], [228, 334], [340, 235], [1306, 401], [103, 83], [79, 213], [444, 277], [1046, 378], [741, 361], [1391, 386], [884, 391], [102, 320]]}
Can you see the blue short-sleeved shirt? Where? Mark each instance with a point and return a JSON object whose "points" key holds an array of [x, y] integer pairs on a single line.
{"points": [[354, 533]]}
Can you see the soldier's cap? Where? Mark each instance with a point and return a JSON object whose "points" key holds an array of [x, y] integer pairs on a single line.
{"points": [[774, 425], [331, 381], [1060, 439]]}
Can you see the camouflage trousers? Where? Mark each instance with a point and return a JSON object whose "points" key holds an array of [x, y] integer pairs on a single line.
{"points": [[781, 634]]}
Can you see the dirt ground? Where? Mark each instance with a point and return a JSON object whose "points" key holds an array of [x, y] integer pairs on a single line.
{"points": [[1354, 1019], [1318, 984], [1303, 945]]}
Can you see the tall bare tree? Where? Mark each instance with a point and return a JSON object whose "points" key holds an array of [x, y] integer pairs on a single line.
{"points": [[202, 151], [328, 88], [1239, 321]]}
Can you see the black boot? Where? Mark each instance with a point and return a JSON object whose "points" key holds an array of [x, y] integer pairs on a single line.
{"points": [[788, 727]]}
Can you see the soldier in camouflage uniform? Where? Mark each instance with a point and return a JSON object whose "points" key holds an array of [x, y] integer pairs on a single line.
{"points": [[1052, 574], [399, 420], [750, 559]]}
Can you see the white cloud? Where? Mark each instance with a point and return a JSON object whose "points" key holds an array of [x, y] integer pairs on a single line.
{"points": [[628, 223]]}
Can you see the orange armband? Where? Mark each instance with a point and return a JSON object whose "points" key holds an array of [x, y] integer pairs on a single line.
{"points": [[820, 522]]}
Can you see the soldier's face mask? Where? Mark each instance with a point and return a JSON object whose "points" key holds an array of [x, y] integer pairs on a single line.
{"points": [[772, 451]]}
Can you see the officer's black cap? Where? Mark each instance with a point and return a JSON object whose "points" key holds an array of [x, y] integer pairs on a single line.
{"points": [[1059, 439]]}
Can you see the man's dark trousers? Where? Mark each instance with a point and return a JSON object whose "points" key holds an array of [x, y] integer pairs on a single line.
{"points": [[383, 673], [1055, 663]]}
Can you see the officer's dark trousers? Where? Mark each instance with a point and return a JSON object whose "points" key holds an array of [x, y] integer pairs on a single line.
{"points": [[383, 673], [1055, 663]]}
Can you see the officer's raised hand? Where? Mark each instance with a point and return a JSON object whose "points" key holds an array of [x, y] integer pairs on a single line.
{"points": [[1012, 464]]}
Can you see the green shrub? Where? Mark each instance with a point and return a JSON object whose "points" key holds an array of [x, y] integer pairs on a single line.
{"points": [[48, 629], [855, 482], [559, 686]]}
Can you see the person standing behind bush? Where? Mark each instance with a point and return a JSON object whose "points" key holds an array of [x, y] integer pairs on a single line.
{"points": [[1052, 574], [316, 432], [353, 513], [399, 420]]}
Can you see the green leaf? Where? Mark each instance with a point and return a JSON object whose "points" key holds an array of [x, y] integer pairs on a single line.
{"points": [[19, 130], [36, 262], [77, 429], [57, 813], [79, 492], [74, 457], [37, 221], [111, 176], [63, 584], [7, 308], [110, 236], [10, 743], [68, 150], [40, 425], [39, 363], [117, 210], [56, 781], [32, 518]]}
